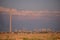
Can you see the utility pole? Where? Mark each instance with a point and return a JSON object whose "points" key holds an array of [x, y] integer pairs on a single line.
{"points": [[10, 23], [10, 14]]}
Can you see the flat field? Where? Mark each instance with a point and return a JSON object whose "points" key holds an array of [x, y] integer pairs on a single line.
{"points": [[29, 36]]}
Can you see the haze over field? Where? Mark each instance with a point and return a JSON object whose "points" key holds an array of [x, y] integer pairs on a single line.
{"points": [[34, 14]]}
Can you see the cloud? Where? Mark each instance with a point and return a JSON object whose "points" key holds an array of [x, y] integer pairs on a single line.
{"points": [[28, 13]]}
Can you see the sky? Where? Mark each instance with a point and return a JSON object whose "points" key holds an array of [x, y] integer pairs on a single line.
{"points": [[30, 22]]}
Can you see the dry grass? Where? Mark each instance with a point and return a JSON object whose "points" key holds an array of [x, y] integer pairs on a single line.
{"points": [[31, 36]]}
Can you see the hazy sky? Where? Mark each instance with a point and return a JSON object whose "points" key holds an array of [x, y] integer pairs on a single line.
{"points": [[18, 22], [31, 4]]}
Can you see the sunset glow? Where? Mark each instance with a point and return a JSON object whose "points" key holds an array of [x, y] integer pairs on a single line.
{"points": [[28, 13]]}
